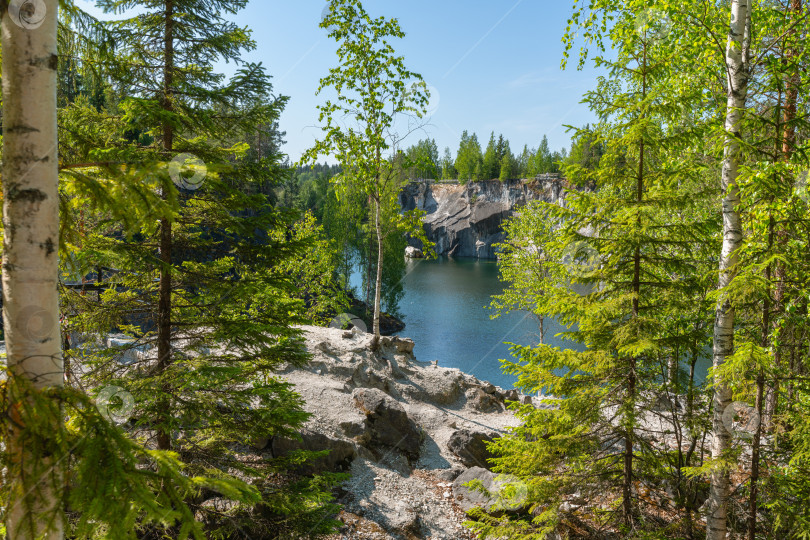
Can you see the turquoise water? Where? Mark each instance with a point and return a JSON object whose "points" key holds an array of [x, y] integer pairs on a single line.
{"points": [[445, 308]]}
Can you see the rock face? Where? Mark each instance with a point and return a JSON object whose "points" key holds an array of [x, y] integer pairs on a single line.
{"points": [[467, 220]]}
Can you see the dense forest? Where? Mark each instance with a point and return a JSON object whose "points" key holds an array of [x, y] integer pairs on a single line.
{"points": [[162, 254]]}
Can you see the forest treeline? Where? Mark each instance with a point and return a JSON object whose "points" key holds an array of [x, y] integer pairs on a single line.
{"points": [[160, 254], [308, 188]]}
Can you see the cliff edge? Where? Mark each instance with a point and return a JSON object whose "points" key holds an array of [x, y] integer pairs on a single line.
{"points": [[466, 220]]}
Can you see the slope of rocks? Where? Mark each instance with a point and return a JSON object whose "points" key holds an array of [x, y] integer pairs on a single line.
{"points": [[404, 429]]}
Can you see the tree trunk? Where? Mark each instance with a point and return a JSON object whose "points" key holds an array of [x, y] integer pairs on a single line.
{"points": [[627, 499], [164, 338], [378, 285], [30, 257], [737, 66], [369, 265], [788, 145], [753, 499]]}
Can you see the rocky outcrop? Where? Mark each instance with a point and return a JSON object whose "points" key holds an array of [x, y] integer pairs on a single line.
{"points": [[467, 220], [341, 452], [389, 421]]}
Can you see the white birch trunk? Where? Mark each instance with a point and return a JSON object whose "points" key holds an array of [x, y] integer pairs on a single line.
{"points": [[378, 284], [736, 63], [30, 250]]}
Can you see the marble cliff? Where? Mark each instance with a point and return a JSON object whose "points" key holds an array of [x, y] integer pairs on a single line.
{"points": [[466, 220]]}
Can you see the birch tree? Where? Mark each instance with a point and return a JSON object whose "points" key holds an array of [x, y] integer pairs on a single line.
{"points": [[737, 87], [372, 91], [30, 254]]}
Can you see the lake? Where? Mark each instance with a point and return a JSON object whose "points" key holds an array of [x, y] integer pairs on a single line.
{"points": [[445, 308]]}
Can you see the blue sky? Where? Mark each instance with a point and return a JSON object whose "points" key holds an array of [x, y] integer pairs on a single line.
{"points": [[494, 65]]}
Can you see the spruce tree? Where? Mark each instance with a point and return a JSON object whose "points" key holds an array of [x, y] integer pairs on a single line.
{"points": [[200, 281], [448, 170], [505, 172], [623, 264]]}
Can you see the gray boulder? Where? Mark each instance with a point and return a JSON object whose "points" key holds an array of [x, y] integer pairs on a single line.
{"points": [[444, 387], [402, 345], [389, 425], [482, 401], [448, 475], [405, 519], [471, 448], [413, 252]]}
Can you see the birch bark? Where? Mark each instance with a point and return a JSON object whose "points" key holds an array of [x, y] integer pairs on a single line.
{"points": [[737, 68], [30, 254]]}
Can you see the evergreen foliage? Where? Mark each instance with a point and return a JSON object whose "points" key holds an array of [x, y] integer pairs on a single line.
{"points": [[624, 264], [469, 160], [638, 238], [198, 269]]}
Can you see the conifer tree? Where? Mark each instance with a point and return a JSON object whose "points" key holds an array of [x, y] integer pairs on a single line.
{"points": [[60, 434], [491, 165], [506, 168], [619, 264], [543, 159], [448, 170], [468, 158], [524, 162], [200, 281]]}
